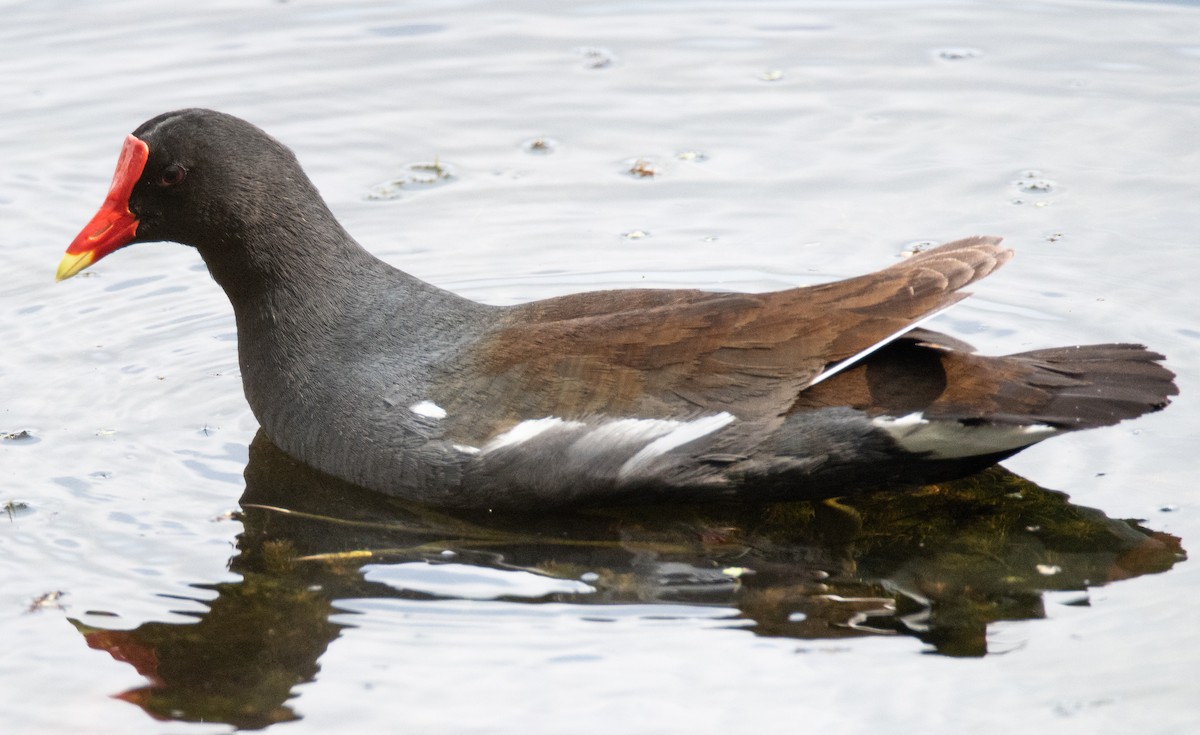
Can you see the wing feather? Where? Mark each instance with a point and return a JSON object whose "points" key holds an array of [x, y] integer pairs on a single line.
{"points": [[671, 354]]}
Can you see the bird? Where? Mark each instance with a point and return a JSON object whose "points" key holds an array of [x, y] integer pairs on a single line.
{"points": [[623, 396]]}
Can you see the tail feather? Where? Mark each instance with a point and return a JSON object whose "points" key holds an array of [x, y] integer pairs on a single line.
{"points": [[1068, 388], [1098, 385]]}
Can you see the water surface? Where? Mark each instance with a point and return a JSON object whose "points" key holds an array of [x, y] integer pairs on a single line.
{"points": [[790, 143]]}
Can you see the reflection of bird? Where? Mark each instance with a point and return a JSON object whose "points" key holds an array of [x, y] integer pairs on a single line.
{"points": [[642, 395]]}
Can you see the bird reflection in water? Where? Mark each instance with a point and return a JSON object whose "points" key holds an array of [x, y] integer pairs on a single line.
{"points": [[939, 563]]}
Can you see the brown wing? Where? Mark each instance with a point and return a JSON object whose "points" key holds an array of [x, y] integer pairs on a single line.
{"points": [[673, 353]]}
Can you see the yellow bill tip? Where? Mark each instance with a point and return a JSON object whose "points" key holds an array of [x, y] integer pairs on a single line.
{"points": [[71, 264]]}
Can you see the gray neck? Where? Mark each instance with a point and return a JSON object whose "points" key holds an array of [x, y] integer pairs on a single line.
{"points": [[324, 346]]}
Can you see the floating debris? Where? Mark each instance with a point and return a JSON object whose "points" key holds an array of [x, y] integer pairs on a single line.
{"points": [[16, 436], [771, 75], [14, 507], [635, 235], [540, 146], [416, 176], [914, 248], [1033, 182], [957, 54], [1048, 570], [47, 600], [1038, 186], [643, 168], [694, 156], [595, 57]]}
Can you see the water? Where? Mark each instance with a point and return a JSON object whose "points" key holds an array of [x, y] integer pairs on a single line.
{"points": [[794, 142]]}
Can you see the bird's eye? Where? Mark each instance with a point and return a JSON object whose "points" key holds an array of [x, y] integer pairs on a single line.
{"points": [[171, 175]]}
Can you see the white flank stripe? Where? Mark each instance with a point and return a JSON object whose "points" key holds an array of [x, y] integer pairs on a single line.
{"points": [[428, 409], [952, 439], [527, 430], [685, 432], [614, 435]]}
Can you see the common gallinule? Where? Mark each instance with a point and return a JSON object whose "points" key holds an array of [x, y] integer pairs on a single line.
{"points": [[363, 371]]}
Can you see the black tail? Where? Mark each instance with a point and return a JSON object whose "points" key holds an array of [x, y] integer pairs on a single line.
{"points": [[1065, 387], [1097, 385]]}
